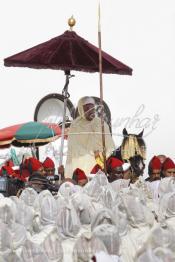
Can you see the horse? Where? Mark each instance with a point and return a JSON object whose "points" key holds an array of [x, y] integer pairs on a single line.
{"points": [[132, 150]]}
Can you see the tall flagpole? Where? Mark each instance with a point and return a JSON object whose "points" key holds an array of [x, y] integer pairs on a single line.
{"points": [[101, 90]]}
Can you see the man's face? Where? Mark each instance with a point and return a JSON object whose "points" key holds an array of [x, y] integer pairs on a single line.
{"points": [[50, 171], [155, 175], [118, 172], [127, 174], [82, 182], [89, 111], [169, 172], [41, 171]]}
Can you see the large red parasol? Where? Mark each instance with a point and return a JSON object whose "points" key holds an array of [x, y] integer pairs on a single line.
{"points": [[67, 52]]}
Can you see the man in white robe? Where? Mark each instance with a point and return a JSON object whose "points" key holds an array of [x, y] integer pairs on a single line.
{"points": [[85, 139]]}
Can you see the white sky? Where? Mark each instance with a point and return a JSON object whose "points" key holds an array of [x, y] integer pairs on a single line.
{"points": [[140, 33]]}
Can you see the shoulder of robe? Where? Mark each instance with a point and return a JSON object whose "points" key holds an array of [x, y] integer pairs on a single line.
{"points": [[75, 122]]}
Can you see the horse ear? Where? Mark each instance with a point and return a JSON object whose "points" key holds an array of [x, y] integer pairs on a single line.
{"points": [[140, 134], [125, 133]]}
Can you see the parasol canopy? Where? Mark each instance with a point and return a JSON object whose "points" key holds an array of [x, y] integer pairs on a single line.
{"points": [[28, 134], [67, 52]]}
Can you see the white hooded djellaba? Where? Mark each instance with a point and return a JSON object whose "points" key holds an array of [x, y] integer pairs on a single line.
{"points": [[84, 139]]}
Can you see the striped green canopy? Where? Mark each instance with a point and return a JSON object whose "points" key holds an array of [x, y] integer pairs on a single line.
{"points": [[38, 133]]}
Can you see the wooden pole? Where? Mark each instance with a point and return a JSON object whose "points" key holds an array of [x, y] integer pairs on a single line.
{"points": [[101, 91]]}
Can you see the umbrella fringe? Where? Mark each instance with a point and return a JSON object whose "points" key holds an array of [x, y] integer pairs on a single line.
{"points": [[39, 140], [120, 72], [3, 143]]}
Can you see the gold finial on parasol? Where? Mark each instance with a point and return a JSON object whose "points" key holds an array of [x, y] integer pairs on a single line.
{"points": [[71, 22]]}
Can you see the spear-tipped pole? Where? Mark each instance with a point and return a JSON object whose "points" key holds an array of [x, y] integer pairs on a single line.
{"points": [[101, 90]]}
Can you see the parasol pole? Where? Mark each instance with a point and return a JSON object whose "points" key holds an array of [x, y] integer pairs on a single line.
{"points": [[101, 92], [66, 95]]}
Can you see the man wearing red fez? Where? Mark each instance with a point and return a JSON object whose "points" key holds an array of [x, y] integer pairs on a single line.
{"points": [[11, 172], [114, 169], [49, 166], [80, 177], [154, 169], [168, 168], [18, 174], [33, 165], [15, 180]]}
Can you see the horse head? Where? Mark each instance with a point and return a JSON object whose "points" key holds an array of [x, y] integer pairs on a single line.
{"points": [[132, 145], [132, 150], [137, 165]]}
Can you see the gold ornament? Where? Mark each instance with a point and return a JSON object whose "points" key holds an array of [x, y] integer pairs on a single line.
{"points": [[71, 22]]}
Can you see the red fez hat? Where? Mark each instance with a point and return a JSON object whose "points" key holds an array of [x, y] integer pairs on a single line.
{"points": [[114, 162], [80, 174], [19, 175], [155, 163], [10, 172], [48, 163], [33, 163], [9, 163], [7, 170], [168, 164], [95, 169], [24, 172]]}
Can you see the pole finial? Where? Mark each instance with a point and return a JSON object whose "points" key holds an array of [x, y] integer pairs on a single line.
{"points": [[71, 22]]}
